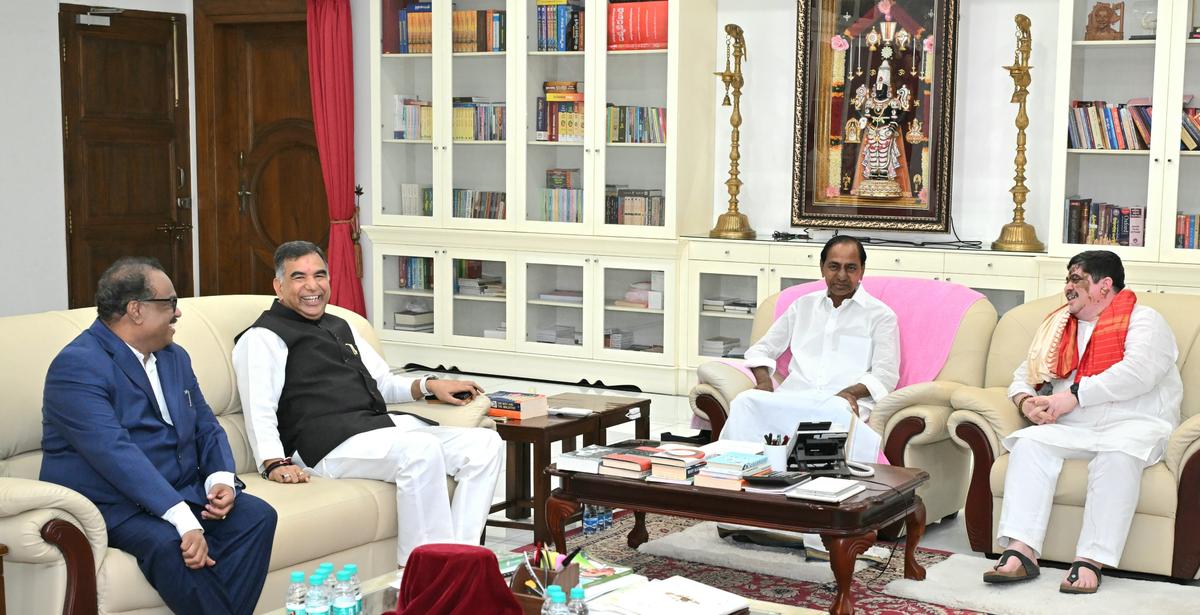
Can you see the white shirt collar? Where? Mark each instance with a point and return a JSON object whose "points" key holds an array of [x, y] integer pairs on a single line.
{"points": [[142, 358], [860, 296]]}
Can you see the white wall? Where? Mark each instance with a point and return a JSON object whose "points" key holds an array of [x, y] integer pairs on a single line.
{"points": [[984, 134], [34, 249]]}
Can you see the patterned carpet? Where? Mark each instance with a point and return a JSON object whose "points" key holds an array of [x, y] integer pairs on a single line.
{"points": [[867, 588]]}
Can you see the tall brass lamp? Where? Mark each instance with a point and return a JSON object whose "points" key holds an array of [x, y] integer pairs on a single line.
{"points": [[733, 224], [1019, 236]]}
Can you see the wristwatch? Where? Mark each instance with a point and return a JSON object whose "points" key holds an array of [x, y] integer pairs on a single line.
{"points": [[1075, 391], [424, 384]]}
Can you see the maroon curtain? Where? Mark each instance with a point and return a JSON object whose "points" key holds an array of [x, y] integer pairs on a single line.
{"points": [[331, 75]]}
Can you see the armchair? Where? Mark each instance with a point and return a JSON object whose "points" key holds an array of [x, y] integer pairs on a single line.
{"points": [[1161, 539], [912, 419]]}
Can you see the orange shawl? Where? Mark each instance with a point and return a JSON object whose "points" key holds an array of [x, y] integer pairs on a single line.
{"points": [[1106, 346]]}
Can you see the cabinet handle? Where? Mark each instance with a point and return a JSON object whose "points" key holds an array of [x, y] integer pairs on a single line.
{"points": [[772, 270], [726, 252], [595, 260], [935, 278], [1170, 160], [897, 261], [761, 269], [989, 265], [810, 257], [587, 260], [947, 278], [1156, 160]]}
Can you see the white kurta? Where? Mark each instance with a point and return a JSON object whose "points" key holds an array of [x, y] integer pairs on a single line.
{"points": [[1131, 407], [414, 456], [1126, 414], [832, 348]]}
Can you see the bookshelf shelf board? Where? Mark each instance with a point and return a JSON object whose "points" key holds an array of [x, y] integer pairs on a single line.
{"points": [[560, 304], [477, 142], [1109, 152], [620, 144], [407, 292], [735, 315], [1145, 43], [410, 141], [639, 310], [556, 53], [480, 54], [1193, 41], [637, 52], [407, 55], [558, 143], [487, 298], [1189, 153]]}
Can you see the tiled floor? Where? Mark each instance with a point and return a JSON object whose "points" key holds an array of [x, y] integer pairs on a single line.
{"points": [[667, 413]]}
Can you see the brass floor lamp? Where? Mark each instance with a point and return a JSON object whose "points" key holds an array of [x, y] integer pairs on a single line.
{"points": [[733, 224], [1019, 236]]}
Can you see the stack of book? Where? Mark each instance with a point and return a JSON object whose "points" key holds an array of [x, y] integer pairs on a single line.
{"points": [[628, 462], [559, 115], [510, 405], [484, 286], [1187, 231], [637, 25], [563, 296], [416, 272], [1096, 124], [415, 319], [619, 339], [714, 304], [416, 200], [416, 28], [728, 470], [637, 207], [498, 333], [677, 465], [1092, 222], [633, 124], [412, 118], [719, 346], [486, 204], [559, 334], [586, 459], [562, 198], [560, 25], [741, 306], [482, 30], [477, 119]]}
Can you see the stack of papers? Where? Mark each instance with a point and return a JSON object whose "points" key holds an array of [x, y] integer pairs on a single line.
{"points": [[826, 489], [675, 596]]}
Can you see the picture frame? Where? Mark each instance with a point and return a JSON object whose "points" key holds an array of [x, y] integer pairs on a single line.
{"points": [[874, 114]]}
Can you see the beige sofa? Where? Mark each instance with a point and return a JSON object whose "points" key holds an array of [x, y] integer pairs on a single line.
{"points": [[912, 420], [1162, 538], [341, 521]]}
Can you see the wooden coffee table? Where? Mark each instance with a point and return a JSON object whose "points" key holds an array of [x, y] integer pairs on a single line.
{"points": [[529, 444], [847, 529]]}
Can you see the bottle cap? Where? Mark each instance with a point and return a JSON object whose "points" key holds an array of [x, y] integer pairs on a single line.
{"points": [[353, 568], [557, 597], [343, 575], [297, 576], [577, 593], [554, 588], [316, 579], [326, 565]]}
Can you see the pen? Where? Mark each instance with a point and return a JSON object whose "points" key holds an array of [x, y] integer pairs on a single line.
{"points": [[571, 556]]}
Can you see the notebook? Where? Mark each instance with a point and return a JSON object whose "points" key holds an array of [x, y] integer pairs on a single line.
{"points": [[826, 489]]}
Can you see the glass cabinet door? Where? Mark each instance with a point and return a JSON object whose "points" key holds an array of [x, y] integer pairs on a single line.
{"points": [[725, 300], [406, 309], [637, 296], [555, 312], [480, 311], [1180, 226], [406, 102]]}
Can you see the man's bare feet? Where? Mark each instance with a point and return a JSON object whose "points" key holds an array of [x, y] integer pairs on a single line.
{"points": [[1013, 564]]}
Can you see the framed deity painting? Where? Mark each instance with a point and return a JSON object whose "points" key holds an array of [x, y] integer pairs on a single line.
{"points": [[874, 114]]}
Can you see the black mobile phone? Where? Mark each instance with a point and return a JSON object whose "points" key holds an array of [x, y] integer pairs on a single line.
{"points": [[463, 395]]}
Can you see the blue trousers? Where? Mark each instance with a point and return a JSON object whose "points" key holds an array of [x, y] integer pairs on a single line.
{"points": [[240, 545]]}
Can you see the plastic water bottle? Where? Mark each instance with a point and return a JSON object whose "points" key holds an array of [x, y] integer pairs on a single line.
{"points": [[316, 602], [343, 595], [605, 518], [576, 605], [326, 569], [558, 604], [591, 520], [356, 586], [295, 594], [548, 601]]}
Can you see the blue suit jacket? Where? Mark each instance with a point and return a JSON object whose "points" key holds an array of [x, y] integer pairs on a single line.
{"points": [[103, 435]]}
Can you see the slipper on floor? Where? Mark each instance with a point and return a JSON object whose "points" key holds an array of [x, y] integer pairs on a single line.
{"points": [[1028, 570], [1073, 576]]}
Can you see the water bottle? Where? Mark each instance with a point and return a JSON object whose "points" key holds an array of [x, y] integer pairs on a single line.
{"points": [[343, 595], [558, 604], [590, 519], [356, 587], [295, 594], [316, 602], [548, 601], [326, 569], [576, 605], [605, 518]]}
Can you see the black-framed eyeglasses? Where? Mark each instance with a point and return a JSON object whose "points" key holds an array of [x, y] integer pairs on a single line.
{"points": [[1075, 279], [172, 301]]}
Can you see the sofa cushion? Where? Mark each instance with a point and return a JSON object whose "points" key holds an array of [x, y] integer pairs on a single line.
{"points": [[121, 587], [1158, 494]]}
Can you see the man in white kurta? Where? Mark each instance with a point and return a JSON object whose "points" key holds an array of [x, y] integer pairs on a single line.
{"points": [[1119, 420], [845, 348], [417, 457]]}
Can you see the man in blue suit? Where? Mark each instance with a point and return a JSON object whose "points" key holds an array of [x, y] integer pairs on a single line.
{"points": [[124, 424]]}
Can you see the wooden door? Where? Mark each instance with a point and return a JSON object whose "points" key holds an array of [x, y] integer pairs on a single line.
{"points": [[259, 168], [125, 144]]}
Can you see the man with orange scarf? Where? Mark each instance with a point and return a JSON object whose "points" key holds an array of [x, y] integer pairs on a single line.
{"points": [[1100, 384]]}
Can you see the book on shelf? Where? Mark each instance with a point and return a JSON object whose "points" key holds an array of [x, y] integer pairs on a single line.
{"points": [[412, 118], [827, 489], [478, 30], [586, 459], [1186, 229], [562, 205], [416, 200], [559, 334], [638, 207], [416, 273], [719, 346], [512, 405], [1088, 221], [562, 296], [480, 204], [415, 31], [637, 25], [413, 318], [564, 178], [560, 25], [559, 113], [475, 118]]}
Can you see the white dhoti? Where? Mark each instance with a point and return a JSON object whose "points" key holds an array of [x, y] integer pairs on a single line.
{"points": [[755, 413], [418, 458], [1114, 480]]}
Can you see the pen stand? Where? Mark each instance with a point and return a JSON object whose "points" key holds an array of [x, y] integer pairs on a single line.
{"points": [[530, 601]]}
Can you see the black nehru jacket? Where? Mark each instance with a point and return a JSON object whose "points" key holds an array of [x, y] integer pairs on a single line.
{"points": [[328, 395]]}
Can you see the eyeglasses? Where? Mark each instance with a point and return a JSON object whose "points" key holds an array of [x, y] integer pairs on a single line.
{"points": [[1075, 279], [172, 301]]}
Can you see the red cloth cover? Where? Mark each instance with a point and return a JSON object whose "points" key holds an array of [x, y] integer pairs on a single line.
{"points": [[446, 579], [331, 79]]}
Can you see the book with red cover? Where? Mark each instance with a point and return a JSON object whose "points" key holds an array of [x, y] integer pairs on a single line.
{"points": [[637, 459], [637, 25]]}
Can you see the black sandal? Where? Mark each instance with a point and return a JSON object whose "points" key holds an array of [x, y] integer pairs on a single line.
{"points": [[1028, 570], [1067, 588]]}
